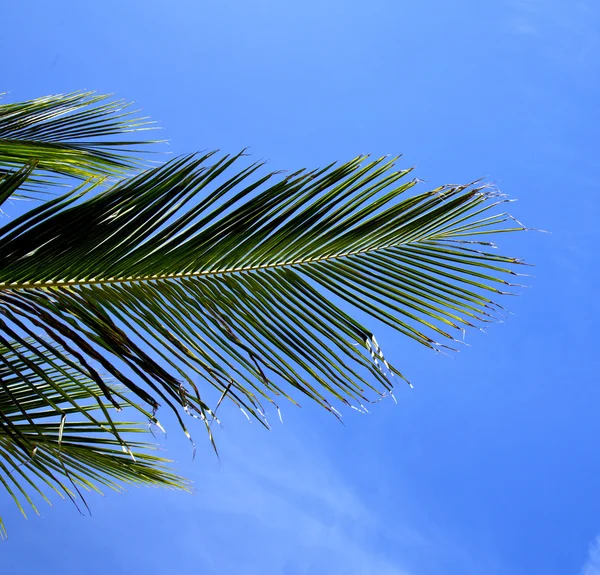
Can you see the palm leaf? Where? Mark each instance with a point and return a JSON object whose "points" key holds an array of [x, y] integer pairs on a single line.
{"points": [[51, 438], [197, 273], [77, 135], [203, 276]]}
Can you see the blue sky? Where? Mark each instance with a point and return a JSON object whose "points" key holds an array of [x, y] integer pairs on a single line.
{"points": [[490, 464]]}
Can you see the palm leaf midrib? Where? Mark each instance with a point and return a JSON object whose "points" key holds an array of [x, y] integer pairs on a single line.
{"points": [[12, 286]]}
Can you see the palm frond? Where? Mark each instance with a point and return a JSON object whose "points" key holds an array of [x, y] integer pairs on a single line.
{"points": [[227, 278], [57, 434], [77, 135]]}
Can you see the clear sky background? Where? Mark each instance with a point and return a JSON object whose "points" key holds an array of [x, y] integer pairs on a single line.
{"points": [[491, 464]]}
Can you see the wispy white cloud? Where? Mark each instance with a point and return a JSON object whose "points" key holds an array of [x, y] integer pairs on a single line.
{"points": [[291, 505], [568, 32], [592, 565], [298, 518]]}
